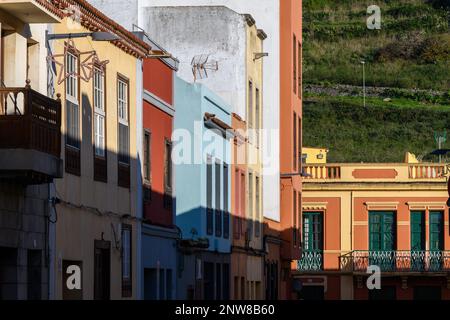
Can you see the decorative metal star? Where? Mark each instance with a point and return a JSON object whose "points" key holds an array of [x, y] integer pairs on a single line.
{"points": [[86, 66]]}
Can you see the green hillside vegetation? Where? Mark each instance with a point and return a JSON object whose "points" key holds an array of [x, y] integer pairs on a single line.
{"points": [[411, 51]]}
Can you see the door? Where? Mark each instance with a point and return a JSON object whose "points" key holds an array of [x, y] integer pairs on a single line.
{"points": [[312, 293], [382, 239], [102, 269], [436, 240], [312, 241], [427, 293], [385, 293], [208, 285], [418, 240]]}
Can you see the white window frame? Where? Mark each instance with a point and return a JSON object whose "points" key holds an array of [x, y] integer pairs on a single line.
{"points": [[99, 112], [122, 101], [72, 78]]}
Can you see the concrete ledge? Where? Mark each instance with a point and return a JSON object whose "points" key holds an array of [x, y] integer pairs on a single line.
{"points": [[22, 160]]}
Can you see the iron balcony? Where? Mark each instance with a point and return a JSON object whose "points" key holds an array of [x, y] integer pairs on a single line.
{"points": [[401, 261]]}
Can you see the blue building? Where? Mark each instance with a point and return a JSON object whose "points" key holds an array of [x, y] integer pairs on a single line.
{"points": [[202, 161]]}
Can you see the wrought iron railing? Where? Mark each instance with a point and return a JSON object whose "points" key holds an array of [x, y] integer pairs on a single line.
{"points": [[396, 261], [29, 120], [310, 261]]}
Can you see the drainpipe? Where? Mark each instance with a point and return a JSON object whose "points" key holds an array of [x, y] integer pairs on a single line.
{"points": [[51, 227]]}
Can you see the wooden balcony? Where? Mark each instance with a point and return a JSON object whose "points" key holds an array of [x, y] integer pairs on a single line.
{"points": [[30, 136]]}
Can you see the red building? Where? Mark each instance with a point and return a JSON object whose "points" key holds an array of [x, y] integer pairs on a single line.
{"points": [[159, 233], [158, 113]]}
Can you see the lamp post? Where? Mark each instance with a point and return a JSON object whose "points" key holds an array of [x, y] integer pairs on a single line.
{"points": [[96, 36], [364, 81]]}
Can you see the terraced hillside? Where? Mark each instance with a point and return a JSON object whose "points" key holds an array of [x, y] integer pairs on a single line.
{"points": [[407, 72]]}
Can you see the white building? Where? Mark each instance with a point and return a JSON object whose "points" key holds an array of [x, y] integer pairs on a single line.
{"points": [[267, 15]]}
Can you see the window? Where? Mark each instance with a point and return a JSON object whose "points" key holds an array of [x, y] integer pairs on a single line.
{"points": [[226, 281], [417, 231], [258, 207], [72, 101], [250, 205], [147, 150], [294, 55], [99, 112], [218, 281], [299, 218], [299, 137], [417, 240], [243, 204], [168, 284], [381, 231], [436, 231], [122, 96], [295, 133], [168, 174], [294, 219], [226, 214], [237, 206], [209, 190], [126, 261], [299, 71], [72, 69], [122, 104], [250, 105], [218, 218], [147, 190], [312, 232], [257, 116]]}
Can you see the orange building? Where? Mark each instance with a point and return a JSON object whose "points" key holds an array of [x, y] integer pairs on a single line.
{"points": [[393, 216], [290, 140]]}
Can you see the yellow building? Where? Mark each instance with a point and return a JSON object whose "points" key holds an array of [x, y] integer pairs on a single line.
{"points": [[391, 215], [247, 259], [314, 155], [254, 67], [96, 226]]}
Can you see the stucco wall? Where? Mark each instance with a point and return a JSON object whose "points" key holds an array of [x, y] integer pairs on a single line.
{"points": [[267, 16], [192, 101], [78, 228]]}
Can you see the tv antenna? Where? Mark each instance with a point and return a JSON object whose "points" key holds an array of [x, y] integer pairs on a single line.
{"points": [[201, 64], [440, 139]]}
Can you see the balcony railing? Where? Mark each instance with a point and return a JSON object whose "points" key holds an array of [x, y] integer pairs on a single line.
{"points": [[396, 261], [29, 120], [310, 261], [421, 171], [352, 172], [328, 172]]}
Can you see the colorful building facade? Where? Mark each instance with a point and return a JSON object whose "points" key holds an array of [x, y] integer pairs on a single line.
{"points": [[97, 228], [391, 216], [290, 138], [202, 156], [238, 80], [159, 233], [30, 153]]}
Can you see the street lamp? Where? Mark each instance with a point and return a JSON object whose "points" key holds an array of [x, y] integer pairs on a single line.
{"points": [[364, 81], [96, 36]]}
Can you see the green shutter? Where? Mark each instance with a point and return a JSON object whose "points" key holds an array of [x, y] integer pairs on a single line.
{"points": [[381, 231], [417, 231], [436, 231], [312, 231]]}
